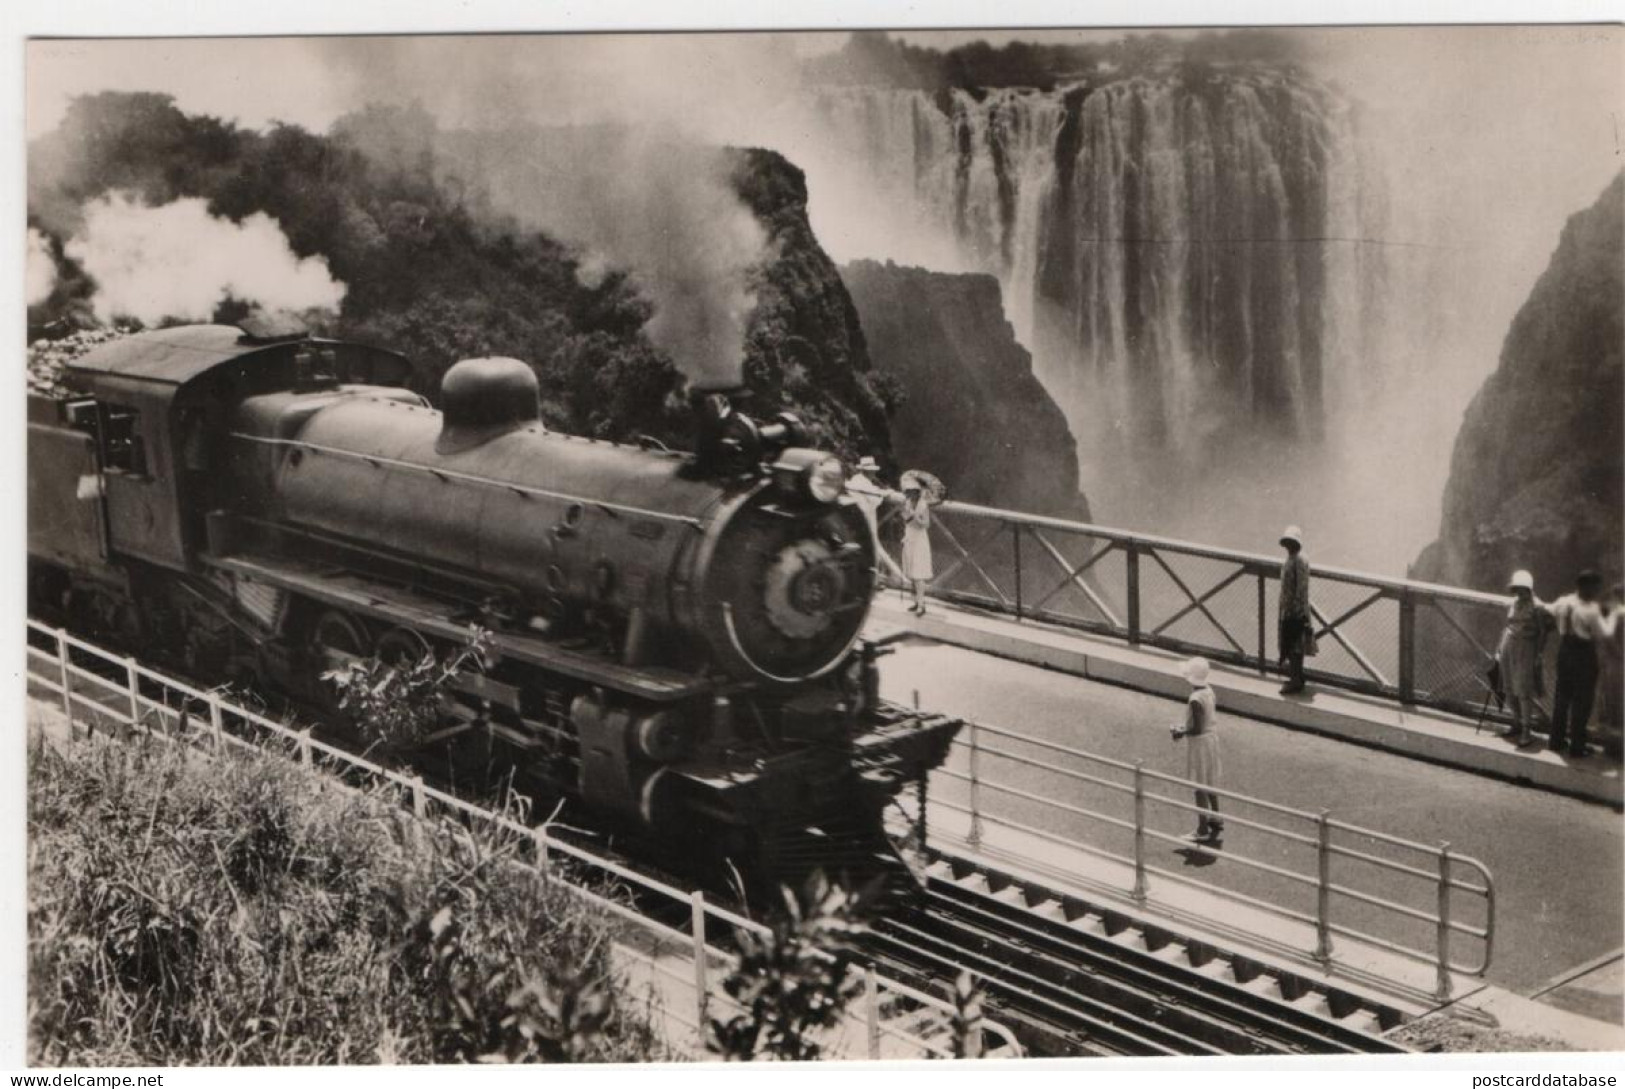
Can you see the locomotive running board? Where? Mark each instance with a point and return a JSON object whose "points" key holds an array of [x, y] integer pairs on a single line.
{"points": [[407, 609]]}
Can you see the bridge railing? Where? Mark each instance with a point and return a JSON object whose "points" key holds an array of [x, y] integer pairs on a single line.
{"points": [[1413, 642], [102, 690], [1425, 902]]}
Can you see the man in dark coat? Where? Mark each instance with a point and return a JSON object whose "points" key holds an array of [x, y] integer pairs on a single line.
{"points": [[1296, 627]]}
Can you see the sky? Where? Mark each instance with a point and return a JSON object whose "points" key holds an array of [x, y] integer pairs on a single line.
{"points": [[287, 79]]}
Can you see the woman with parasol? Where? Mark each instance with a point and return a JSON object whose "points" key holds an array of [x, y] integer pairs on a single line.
{"points": [[921, 492]]}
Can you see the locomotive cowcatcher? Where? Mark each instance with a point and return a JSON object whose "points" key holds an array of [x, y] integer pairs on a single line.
{"points": [[675, 638]]}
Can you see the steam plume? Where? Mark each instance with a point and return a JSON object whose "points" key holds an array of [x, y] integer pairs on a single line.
{"points": [[39, 277], [692, 243], [178, 261], [624, 157], [666, 212]]}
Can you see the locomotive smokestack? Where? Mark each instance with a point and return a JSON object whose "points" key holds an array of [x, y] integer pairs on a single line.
{"points": [[726, 441], [716, 427]]}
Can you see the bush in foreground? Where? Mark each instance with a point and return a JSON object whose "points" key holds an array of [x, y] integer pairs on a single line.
{"points": [[794, 982], [185, 910]]}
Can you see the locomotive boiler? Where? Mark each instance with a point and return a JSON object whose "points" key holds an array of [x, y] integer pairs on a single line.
{"points": [[676, 637]]}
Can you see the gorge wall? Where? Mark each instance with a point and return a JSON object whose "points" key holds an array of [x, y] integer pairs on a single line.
{"points": [[1538, 476], [972, 411], [805, 350]]}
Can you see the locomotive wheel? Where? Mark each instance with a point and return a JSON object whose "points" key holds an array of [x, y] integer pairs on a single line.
{"points": [[206, 647], [401, 647], [338, 639]]}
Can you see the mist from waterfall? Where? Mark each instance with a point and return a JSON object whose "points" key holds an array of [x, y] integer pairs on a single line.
{"points": [[1209, 278], [1262, 292]]}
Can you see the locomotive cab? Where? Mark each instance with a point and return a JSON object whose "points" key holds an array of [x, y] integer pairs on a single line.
{"points": [[153, 410]]}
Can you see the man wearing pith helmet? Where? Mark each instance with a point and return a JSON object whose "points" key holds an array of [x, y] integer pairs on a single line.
{"points": [[870, 495], [1296, 621]]}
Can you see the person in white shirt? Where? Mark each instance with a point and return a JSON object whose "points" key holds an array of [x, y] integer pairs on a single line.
{"points": [[871, 496], [1582, 627], [1611, 656]]}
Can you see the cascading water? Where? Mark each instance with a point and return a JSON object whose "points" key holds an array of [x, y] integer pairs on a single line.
{"points": [[1194, 262]]}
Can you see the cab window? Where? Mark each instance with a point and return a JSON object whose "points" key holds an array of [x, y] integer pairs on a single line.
{"points": [[124, 449]]}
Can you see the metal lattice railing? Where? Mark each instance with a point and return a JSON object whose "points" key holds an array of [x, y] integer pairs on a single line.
{"points": [[681, 968], [1413, 642]]}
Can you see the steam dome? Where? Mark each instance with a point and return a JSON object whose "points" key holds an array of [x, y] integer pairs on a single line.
{"points": [[484, 398]]}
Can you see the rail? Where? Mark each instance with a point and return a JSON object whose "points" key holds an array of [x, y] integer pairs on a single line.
{"points": [[1348, 880], [126, 700], [1413, 642]]}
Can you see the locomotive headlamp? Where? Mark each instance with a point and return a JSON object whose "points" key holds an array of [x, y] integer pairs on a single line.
{"points": [[809, 474], [826, 480]]}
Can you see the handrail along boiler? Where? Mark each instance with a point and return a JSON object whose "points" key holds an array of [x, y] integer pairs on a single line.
{"points": [[676, 638]]}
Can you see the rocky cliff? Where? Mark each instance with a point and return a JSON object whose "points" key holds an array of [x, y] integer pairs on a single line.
{"points": [[972, 411], [1536, 478], [805, 349]]}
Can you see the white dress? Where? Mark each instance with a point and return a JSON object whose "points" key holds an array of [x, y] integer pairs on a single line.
{"points": [[1202, 755], [917, 541]]}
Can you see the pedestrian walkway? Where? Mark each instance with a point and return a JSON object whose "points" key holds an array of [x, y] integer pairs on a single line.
{"points": [[1208, 916], [1380, 723]]}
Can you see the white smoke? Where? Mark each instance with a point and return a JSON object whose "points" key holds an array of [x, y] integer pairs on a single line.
{"points": [[696, 262], [178, 261], [39, 275], [665, 211], [612, 143]]}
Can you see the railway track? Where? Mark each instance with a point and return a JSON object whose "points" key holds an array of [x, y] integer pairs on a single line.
{"points": [[1067, 987], [1059, 973]]}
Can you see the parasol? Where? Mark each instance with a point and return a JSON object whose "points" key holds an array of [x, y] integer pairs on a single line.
{"points": [[931, 489]]}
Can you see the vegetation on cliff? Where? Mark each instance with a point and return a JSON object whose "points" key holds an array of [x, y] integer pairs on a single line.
{"points": [[873, 56], [805, 350], [1538, 473], [432, 271]]}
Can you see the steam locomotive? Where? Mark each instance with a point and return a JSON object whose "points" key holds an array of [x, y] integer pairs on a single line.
{"points": [[675, 638]]}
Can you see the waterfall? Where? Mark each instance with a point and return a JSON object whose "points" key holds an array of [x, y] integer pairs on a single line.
{"points": [[1184, 256]]}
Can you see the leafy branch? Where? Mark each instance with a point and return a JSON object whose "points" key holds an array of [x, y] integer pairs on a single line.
{"points": [[398, 705], [795, 981]]}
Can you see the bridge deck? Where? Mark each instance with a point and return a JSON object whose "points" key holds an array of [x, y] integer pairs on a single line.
{"points": [[1411, 731], [1556, 860], [1575, 1013]]}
